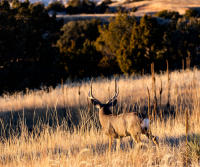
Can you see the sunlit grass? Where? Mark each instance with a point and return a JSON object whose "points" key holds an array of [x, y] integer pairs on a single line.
{"points": [[59, 143]]}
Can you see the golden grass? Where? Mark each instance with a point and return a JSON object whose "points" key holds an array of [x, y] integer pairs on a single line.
{"points": [[143, 7], [85, 144], [153, 6], [132, 90]]}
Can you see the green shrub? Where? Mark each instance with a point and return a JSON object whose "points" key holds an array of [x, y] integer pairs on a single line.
{"points": [[168, 14], [56, 7], [192, 13], [80, 6], [76, 44]]}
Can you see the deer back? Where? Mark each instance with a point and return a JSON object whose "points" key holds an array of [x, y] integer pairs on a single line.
{"points": [[121, 125]]}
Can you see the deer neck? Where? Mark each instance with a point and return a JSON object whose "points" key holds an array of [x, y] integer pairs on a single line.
{"points": [[102, 116]]}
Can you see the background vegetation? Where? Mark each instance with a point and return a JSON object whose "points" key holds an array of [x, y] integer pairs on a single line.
{"points": [[39, 50], [28, 57], [79, 6]]}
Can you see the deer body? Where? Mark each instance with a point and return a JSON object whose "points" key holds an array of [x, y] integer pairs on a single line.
{"points": [[122, 125]]}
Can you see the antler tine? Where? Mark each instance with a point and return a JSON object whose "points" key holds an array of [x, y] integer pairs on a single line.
{"points": [[90, 92], [116, 88], [116, 92]]}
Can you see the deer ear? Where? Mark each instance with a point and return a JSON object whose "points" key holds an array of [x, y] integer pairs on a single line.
{"points": [[112, 103], [93, 101], [96, 103]]}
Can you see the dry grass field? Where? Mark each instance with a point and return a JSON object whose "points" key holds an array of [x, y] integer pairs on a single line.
{"points": [[143, 7], [59, 127], [153, 6]]}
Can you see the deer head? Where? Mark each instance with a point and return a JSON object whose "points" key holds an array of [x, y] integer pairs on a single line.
{"points": [[105, 107]]}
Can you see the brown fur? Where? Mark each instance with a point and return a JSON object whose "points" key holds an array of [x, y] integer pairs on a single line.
{"points": [[122, 125]]}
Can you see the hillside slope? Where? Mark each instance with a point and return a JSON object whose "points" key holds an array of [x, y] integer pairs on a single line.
{"points": [[146, 6], [153, 6]]}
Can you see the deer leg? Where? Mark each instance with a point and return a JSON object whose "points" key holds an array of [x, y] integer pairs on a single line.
{"points": [[118, 144], [152, 138], [155, 140], [131, 142], [110, 143], [136, 138]]}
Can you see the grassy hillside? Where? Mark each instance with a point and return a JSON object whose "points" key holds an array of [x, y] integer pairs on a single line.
{"points": [[59, 127], [153, 6], [142, 7]]}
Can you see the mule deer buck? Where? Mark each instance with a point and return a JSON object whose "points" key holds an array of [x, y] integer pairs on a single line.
{"points": [[122, 125]]}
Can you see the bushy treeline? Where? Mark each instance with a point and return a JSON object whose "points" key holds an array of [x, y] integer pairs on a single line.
{"points": [[28, 56], [129, 45], [79, 6], [135, 43], [38, 50]]}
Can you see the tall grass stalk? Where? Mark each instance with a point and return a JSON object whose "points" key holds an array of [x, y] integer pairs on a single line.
{"points": [[155, 103], [65, 134]]}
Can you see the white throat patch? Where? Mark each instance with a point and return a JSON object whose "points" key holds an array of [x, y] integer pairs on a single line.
{"points": [[145, 123]]}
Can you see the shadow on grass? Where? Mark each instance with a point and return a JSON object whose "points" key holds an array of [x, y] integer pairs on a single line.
{"points": [[176, 141], [128, 143], [12, 122]]}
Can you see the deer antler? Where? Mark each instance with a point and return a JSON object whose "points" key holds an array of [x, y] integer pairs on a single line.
{"points": [[90, 95], [116, 93], [90, 92]]}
